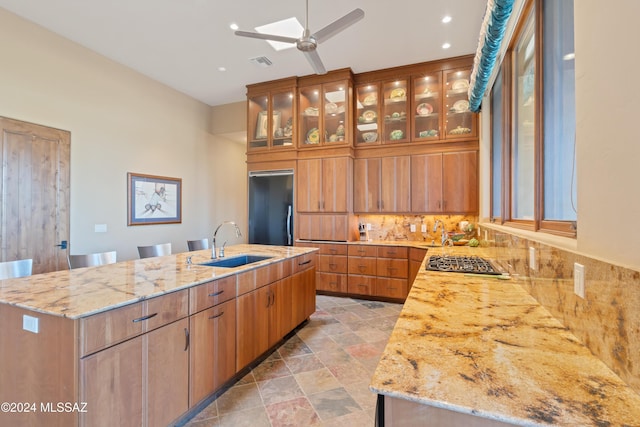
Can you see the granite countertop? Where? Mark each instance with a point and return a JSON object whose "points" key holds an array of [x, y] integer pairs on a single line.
{"points": [[84, 291], [485, 347]]}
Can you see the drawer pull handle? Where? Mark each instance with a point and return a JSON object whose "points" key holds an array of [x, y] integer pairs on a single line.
{"points": [[215, 294], [215, 316], [143, 318], [333, 251], [333, 266], [305, 262], [186, 339]]}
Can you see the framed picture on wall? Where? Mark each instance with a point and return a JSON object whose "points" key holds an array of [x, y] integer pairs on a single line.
{"points": [[153, 199]]}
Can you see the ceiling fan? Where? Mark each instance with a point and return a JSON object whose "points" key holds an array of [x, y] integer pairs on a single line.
{"points": [[308, 42]]}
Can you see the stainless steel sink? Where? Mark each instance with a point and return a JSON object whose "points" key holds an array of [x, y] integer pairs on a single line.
{"points": [[235, 261]]}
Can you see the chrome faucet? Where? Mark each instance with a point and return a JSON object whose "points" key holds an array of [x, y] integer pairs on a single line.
{"points": [[214, 255], [444, 233]]}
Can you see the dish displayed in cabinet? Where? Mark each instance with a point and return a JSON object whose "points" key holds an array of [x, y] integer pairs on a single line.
{"points": [[311, 111], [396, 135], [371, 99], [460, 84], [368, 116], [370, 136], [424, 109], [461, 106], [313, 136], [459, 130], [428, 133], [398, 94]]}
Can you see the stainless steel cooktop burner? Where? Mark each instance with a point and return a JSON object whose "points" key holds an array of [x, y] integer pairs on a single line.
{"points": [[461, 264]]}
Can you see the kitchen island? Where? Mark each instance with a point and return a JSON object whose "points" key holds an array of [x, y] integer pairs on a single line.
{"points": [[143, 342], [478, 351]]}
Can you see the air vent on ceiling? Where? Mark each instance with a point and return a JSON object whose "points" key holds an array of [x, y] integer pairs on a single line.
{"points": [[261, 61]]}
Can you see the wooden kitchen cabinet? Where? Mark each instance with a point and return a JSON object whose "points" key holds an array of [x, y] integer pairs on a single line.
{"points": [[460, 122], [252, 317], [324, 185], [392, 268], [330, 227], [445, 182], [324, 106], [382, 185], [303, 288], [129, 379], [362, 269], [271, 115], [426, 110], [213, 349]]}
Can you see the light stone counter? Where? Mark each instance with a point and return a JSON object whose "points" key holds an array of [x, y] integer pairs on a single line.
{"points": [[85, 291], [485, 347]]}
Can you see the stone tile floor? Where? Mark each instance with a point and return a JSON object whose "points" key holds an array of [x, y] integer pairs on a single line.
{"points": [[319, 377]]}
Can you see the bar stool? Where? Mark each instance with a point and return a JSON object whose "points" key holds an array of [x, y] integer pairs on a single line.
{"points": [[91, 260], [196, 245], [154, 250], [13, 269]]}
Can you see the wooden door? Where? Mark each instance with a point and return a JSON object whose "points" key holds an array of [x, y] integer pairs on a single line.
{"points": [[366, 185], [395, 187], [335, 184], [213, 349], [460, 181], [252, 317], [34, 218], [309, 188], [111, 385], [167, 355], [426, 183]]}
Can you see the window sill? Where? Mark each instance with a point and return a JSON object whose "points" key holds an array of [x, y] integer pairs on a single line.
{"points": [[561, 242]]}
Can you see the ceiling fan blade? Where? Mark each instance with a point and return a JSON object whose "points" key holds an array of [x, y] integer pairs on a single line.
{"points": [[271, 37], [336, 26], [315, 61]]}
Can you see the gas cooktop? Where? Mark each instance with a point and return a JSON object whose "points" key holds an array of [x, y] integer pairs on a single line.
{"points": [[461, 264]]}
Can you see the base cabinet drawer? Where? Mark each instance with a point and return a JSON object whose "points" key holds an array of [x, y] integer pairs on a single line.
{"points": [[391, 288], [392, 267], [362, 266], [332, 263], [361, 285], [331, 282]]}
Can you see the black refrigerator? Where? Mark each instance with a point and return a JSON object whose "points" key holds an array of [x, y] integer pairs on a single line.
{"points": [[271, 207]]}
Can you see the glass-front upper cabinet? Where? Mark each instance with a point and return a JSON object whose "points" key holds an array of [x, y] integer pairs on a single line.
{"points": [[395, 104], [270, 117], [460, 122], [367, 114], [324, 114], [426, 111]]}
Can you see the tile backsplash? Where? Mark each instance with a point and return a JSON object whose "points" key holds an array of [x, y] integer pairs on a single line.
{"points": [[607, 320], [398, 227]]}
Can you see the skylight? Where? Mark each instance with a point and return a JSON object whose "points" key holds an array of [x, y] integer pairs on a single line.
{"points": [[289, 27]]}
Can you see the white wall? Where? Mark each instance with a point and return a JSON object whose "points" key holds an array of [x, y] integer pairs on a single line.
{"points": [[120, 121], [607, 136]]}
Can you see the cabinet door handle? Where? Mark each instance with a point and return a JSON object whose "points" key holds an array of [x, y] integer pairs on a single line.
{"points": [[333, 266], [186, 339], [143, 318], [362, 267], [215, 316], [333, 251], [215, 294], [305, 262]]}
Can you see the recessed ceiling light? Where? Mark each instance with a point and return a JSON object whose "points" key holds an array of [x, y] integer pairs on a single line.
{"points": [[287, 27], [446, 19], [233, 26], [446, 45], [222, 69]]}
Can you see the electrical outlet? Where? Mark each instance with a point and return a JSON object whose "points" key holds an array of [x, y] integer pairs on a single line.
{"points": [[30, 323], [578, 279], [368, 227], [412, 227], [532, 259], [423, 228]]}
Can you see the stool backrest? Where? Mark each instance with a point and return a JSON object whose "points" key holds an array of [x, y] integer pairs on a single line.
{"points": [[91, 260], [13, 269], [196, 245], [154, 250]]}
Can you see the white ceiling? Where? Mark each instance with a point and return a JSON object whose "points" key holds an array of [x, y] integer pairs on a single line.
{"points": [[182, 43]]}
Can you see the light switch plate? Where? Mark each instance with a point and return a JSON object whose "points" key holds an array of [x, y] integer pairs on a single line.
{"points": [[578, 279], [412, 227], [100, 228], [30, 323], [533, 262], [368, 227]]}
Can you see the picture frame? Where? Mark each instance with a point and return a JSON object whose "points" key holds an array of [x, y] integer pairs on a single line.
{"points": [[262, 124], [153, 199]]}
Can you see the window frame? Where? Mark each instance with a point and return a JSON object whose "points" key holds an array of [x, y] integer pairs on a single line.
{"points": [[533, 9]]}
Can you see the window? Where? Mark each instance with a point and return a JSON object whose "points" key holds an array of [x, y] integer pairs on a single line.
{"points": [[497, 139], [533, 123]]}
